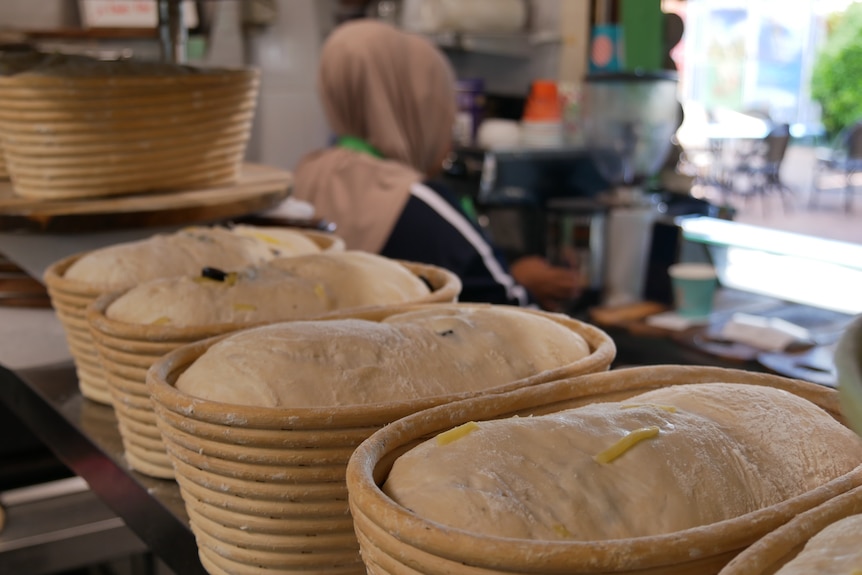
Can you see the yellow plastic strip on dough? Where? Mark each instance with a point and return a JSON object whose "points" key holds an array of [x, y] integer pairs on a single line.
{"points": [[244, 307], [457, 433], [319, 291], [204, 279], [162, 321], [266, 238], [561, 530], [668, 408], [625, 443]]}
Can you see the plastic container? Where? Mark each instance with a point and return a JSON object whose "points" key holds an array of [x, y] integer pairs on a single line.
{"points": [[470, 96], [542, 122]]}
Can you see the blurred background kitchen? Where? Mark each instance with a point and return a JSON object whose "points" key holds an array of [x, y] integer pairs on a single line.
{"points": [[633, 134]]}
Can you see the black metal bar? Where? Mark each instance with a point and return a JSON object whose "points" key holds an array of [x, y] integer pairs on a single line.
{"points": [[84, 436], [172, 31]]}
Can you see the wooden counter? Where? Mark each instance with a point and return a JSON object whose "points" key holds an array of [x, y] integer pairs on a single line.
{"points": [[639, 343], [258, 189]]}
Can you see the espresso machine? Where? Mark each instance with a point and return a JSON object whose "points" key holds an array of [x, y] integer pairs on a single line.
{"points": [[591, 204]]}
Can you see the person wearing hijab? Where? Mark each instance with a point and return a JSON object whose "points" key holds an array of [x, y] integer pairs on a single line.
{"points": [[389, 97]]}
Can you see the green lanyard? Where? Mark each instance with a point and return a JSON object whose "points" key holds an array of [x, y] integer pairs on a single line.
{"points": [[363, 147], [358, 145]]}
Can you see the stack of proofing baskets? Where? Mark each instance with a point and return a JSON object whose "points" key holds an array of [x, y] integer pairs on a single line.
{"points": [[13, 62], [77, 128], [70, 299], [265, 488], [126, 351]]}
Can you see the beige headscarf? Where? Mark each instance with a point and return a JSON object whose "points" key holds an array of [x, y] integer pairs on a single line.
{"points": [[395, 91]]}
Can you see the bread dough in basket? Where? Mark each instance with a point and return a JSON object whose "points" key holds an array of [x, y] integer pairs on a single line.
{"points": [[439, 350], [837, 550], [121, 266], [722, 450], [281, 289]]}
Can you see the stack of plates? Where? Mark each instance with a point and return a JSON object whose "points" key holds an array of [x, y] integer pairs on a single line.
{"points": [[395, 540], [70, 299], [265, 487], [126, 352], [81, 129]]}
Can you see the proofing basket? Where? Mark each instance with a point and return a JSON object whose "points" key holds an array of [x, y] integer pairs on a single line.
{"points": [[104, 134], [12, 62], [127, 350], [394, 540], [265, 487], [70, 299], [775, 549]]}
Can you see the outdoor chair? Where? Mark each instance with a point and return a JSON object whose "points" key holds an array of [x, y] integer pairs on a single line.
{"points": [[758, 170], [843, 157]]}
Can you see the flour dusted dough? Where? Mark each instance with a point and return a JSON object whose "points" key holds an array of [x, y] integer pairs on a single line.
{"points": [[281, 289], [283, 241], [722, 450], [441, 350], [837, 550], [185, 252]]}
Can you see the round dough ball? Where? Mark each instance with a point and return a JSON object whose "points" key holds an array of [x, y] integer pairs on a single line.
{"points": [[121, 266], [708, 452], [279, 290], [441, 351], [356, 278], [282, 241]]}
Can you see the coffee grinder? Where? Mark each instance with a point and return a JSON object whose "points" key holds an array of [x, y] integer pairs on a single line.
{"points": [[627, 123]]}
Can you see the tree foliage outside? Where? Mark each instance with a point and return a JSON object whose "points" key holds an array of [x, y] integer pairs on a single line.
{"points": [[836, 79]]}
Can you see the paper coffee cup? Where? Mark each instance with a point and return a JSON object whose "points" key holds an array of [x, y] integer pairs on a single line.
{"points": [[693, 288]]}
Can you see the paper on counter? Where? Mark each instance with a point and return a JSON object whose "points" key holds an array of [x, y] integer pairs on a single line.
{"points": [[671, 320], [767, 334]]}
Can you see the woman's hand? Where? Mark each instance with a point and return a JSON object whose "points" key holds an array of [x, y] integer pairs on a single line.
{"points": [[551, 286]]}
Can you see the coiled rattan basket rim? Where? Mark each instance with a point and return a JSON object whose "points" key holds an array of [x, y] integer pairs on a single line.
{"points": [[54, 275], [154, 79], [52, 108], [366, 471], [446, 288], [780, 546], [162, 375]]}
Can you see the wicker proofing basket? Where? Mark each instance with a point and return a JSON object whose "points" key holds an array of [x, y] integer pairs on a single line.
{"points": [[84, 136], [265, 488], [126, 351], [394, 541], [70, 299], [770, 553]]}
